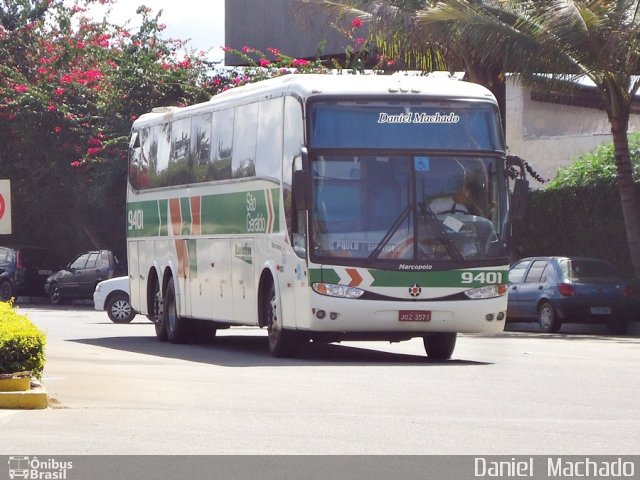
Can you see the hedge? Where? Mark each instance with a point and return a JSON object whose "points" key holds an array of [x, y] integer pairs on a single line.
{"points": [[585, 221], [21, 343]]}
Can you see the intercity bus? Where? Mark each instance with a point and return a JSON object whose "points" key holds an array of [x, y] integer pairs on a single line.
{"points": [[323, 208]]}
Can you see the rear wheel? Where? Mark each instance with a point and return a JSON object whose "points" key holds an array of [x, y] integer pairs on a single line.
{"points": [[282, 343], [6, 291], [440, 345], [119, 309], [155, 312], [177, 328], [547, 318]]}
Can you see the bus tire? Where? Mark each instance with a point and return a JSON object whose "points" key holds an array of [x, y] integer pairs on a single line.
{"points": [[440, 345], [177, 328], [282, 343]]}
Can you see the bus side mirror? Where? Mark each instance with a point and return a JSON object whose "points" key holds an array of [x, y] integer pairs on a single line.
{"points": [[301, 190], [519, 199]]}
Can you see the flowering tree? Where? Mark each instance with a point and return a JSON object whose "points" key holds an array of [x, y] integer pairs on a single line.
{"points": [[70, 87], [69, 90]]}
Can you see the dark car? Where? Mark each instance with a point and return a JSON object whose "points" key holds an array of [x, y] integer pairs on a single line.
{"points": [[24, 270], [79, 279], [557, 290]]}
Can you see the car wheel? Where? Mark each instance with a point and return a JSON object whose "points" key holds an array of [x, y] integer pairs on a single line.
{"points": [[440, 345], [6, 291], [119, 309], [547, 318], [177, 327], [618, 326], [54, 294], [282, 343]]}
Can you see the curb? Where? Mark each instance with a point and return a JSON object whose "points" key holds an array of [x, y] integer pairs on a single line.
{"points": [[21, 392], [34, 399]]}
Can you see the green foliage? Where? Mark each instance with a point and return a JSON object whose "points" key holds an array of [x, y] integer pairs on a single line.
{"points": [[596, 167], [21, 343], [585, 220]]}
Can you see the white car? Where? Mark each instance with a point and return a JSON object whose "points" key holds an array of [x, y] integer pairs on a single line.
{"points": [[113, 296]]}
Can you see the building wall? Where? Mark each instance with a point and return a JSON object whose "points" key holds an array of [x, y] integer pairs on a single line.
{"points": [[550, 136]]}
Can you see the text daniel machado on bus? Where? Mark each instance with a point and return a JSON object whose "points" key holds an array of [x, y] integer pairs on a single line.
{"points": [[323, 208]]}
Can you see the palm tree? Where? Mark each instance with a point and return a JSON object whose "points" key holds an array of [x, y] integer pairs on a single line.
{"points": [[569, 40], [550, 43]]}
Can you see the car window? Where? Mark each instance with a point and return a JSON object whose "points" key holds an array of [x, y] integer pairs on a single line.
{"points": [[80, 262], [92, 261], [537, 271], [5, 255], [517, 271], [582, 269], [105, 259]]}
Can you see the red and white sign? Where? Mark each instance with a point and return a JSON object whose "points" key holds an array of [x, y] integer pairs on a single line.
{"points": [[5, 207]]}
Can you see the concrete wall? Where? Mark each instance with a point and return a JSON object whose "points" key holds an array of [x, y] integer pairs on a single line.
{"points": [[549, 135]]}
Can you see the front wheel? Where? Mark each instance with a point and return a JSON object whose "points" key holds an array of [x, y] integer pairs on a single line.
{"points": [[55, 297], [440, 345], [282, 343], [119, 309], [547, 318]]}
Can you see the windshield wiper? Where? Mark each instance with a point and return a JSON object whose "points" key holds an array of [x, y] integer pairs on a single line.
{"points": [[452, 250], [391, 232]]}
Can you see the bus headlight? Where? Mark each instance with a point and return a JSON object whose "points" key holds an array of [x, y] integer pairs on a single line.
{"points": [[337, 290], [489, 291]]}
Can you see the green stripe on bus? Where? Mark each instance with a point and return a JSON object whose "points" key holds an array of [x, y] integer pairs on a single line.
{"points": [[222, 214], [394, 278]]}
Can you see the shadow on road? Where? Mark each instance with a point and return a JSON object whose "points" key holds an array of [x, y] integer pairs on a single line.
{"points": [[572, 332], [253, 351]]}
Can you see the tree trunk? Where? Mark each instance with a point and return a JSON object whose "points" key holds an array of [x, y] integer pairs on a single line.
{"points": [[628, 195]]}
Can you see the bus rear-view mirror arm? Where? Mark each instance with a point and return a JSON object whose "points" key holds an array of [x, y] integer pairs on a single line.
{"points": [[520, 195]]}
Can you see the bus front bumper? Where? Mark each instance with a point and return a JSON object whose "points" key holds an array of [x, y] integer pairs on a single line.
{"points": [[330, 314]]}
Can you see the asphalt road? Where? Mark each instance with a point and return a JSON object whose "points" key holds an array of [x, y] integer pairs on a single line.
{"points": [[115, 389]]}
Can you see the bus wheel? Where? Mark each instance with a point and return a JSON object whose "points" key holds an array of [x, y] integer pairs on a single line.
{"points": [[440, 345], [282, 343], [176, 327], [156, 315]]}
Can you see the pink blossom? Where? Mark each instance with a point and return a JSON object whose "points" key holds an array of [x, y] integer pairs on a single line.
{"points": [[356, 23], [246, 49], [21, 88], [57, 129], [94, 142], [264, 62], [52, 108], [94, 150], [76, 164], [299, 62]]}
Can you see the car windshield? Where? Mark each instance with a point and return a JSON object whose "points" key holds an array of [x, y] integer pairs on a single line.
{"points": [[407, 207], [586, 269]]}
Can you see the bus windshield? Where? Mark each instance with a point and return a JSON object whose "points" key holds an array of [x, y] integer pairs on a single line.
{"points": [[413, 207], [402, 125]]}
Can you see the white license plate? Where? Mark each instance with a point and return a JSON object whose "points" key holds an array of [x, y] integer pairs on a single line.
{"points": [[600, 310], [45, 272], [414, 316]]}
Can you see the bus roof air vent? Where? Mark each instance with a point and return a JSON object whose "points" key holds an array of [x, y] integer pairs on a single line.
{"points": [[163, 109]]}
